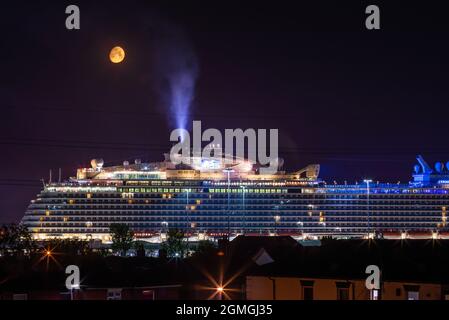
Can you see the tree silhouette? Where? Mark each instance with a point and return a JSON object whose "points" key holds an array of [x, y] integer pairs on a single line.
{"points": [[15, 239], [176, 243], [122, 238]]}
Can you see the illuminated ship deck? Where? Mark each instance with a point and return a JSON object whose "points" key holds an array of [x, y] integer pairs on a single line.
{"points": [[215, 199]]}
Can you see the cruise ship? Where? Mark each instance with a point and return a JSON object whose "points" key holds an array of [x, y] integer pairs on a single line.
{"points": [[213, 198]]}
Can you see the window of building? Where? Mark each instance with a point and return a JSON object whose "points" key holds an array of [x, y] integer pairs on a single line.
{"points": [[307, 289], [412, 295], [412, 292], [374, 294], [20, 296], [342, 294], [343, 290], [114, 294], [307, 293]]}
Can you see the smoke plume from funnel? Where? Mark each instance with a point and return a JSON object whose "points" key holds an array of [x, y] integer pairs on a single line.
{"points": [[176, 67]]}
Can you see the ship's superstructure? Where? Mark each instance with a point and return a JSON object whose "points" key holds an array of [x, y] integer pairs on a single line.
{"points": [[213, 197]]}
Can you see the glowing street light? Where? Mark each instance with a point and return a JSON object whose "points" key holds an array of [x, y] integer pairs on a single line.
{"points": [[47, 255], [164, 226], [277, 218], [72, 288], [300, 225], [220, 291]]}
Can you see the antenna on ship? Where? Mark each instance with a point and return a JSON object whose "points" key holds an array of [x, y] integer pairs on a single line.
{"points": [[43, 182], [59, 177], [49, 180]]}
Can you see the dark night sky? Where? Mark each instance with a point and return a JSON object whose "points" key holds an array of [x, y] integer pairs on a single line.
{"points": [[360, 103]]}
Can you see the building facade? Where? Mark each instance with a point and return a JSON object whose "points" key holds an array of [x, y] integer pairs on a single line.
{"points": [[292, 288]]}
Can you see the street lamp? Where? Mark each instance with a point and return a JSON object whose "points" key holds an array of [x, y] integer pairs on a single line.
{"points": [[73, 287], [220, 291], [228, 172], [300, 225], [277, 218], [164, 224], [368, 181], [244, 212]]}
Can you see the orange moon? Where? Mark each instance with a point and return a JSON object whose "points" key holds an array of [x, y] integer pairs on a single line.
{"points": [[117, 55]]}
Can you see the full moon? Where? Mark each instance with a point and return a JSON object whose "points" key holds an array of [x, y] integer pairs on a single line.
{"points": [[117, 55]]}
